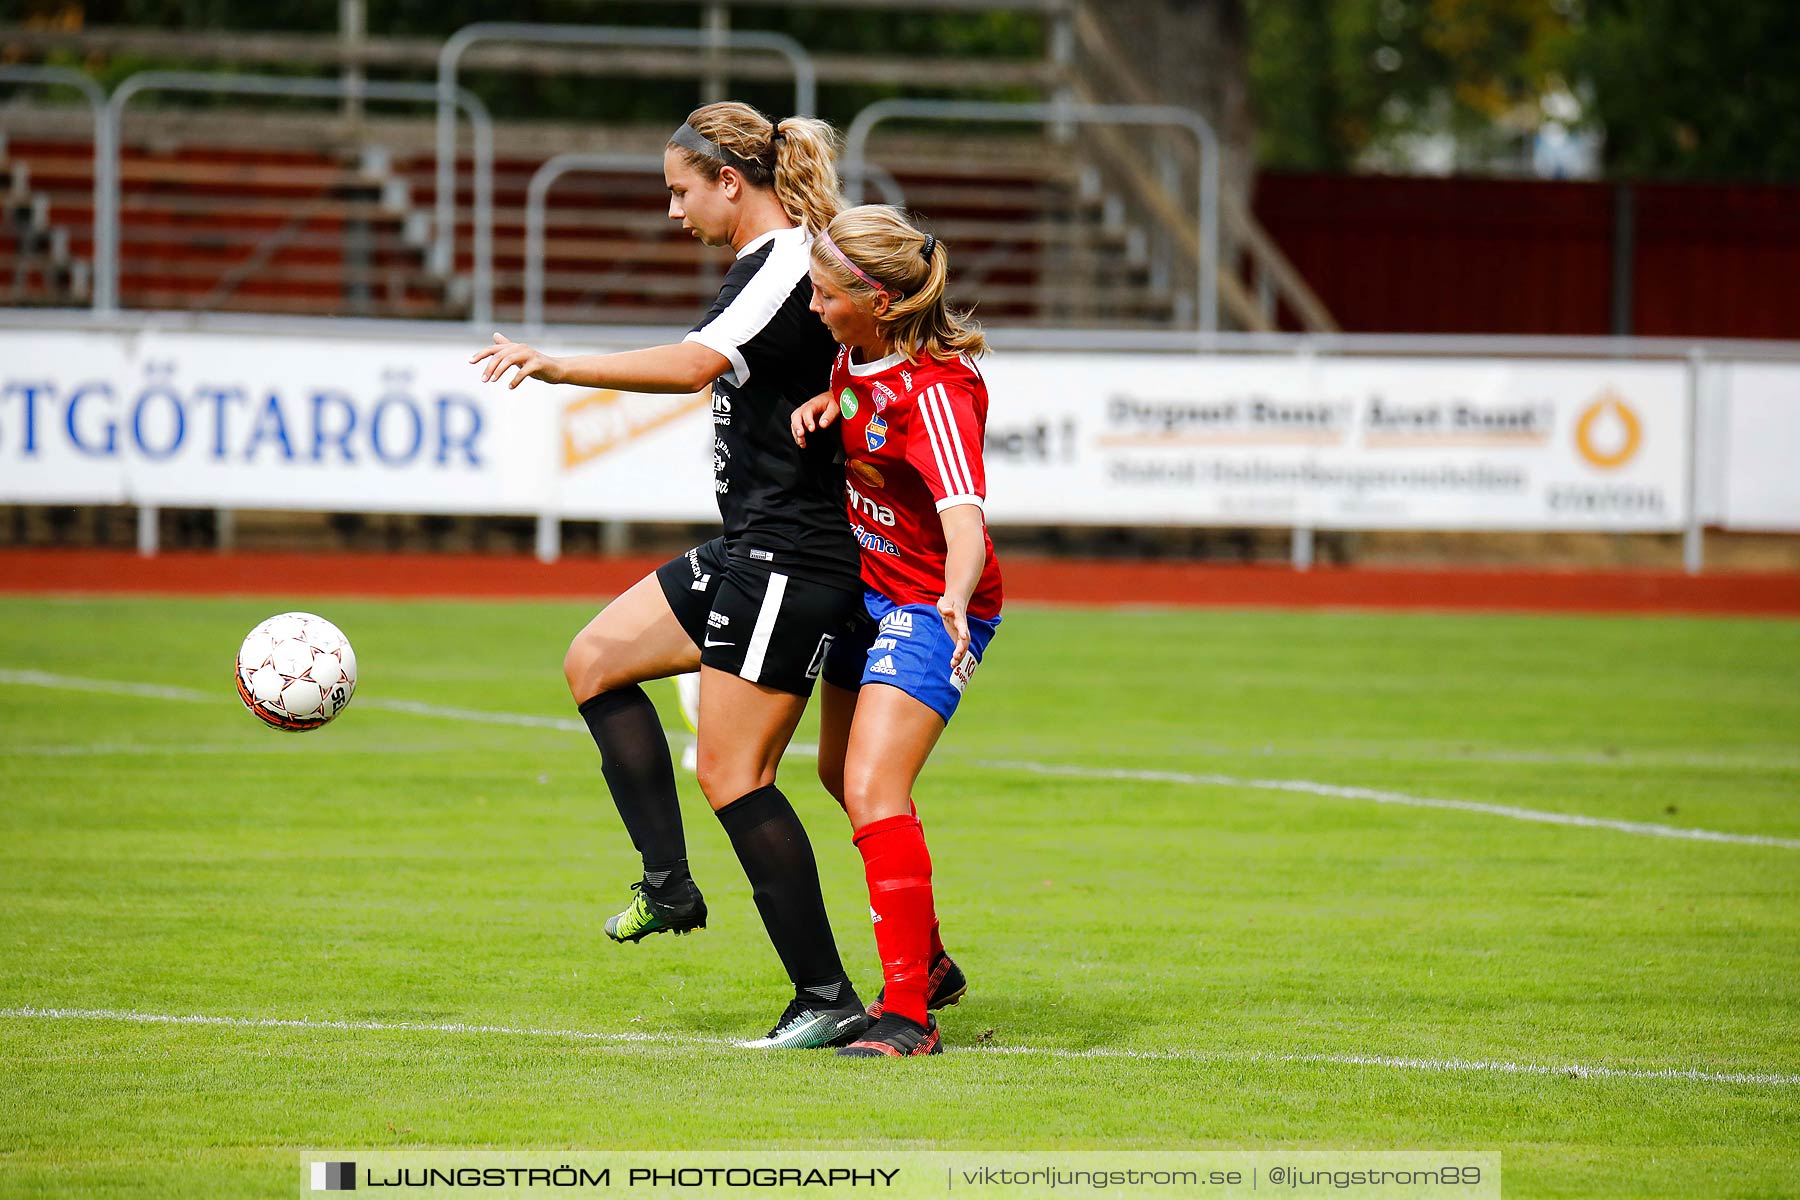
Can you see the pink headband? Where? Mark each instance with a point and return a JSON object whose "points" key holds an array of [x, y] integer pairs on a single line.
{"points": [[853, 268]]}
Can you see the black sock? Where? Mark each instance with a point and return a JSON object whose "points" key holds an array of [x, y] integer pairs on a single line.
{"points": [[778, 858], [634, 757]]}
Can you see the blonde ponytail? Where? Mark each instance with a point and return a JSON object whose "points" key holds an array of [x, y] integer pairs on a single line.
{"points": [[797, 160], [806, 178], [881, 244]]}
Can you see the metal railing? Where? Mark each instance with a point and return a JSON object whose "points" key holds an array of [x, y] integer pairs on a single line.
{"points": [[1207, 205], [537, 194], [106, 266], [103, 144], [458, 43]]}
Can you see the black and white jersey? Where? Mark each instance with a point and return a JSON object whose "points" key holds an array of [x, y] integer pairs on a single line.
{"points": [[783, 507]]}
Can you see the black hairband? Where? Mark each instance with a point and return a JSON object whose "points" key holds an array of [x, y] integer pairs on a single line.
{"points": [[930, 245], [689, 138]]}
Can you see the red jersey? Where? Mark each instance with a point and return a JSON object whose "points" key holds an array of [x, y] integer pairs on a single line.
{"points": [[912, 448]]}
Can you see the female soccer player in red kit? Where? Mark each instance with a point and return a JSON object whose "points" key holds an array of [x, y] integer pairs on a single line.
{"points": [[913, 409]]}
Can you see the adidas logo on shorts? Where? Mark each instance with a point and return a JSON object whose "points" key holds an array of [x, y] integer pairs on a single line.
{"points": [[884, 666]]}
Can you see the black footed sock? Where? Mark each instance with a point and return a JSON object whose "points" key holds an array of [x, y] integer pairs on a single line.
{"points": [[634, 757], [778, 859]]}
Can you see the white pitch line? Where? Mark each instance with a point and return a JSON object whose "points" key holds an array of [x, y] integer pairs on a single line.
{"points": [[1378, 796], [479, 716], [1305, 786], [76, 684], [1443, 1065], [143, 1018], [202, 749]]}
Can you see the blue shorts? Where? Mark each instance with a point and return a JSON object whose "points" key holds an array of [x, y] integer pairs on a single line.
{"points": [[906, 646]]}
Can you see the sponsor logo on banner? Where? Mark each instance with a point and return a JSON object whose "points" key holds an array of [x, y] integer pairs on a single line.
{"points": [[1392, 423], [333, 1177], [1608, 432], [600, 422], [1139, 421]]}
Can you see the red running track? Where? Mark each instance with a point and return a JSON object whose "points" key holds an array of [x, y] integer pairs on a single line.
{"points": [[1039, 580]]}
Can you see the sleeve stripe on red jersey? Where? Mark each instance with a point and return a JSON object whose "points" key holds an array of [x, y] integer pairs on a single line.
{"points": [[956, 442], [927, 415], [940, 425]]}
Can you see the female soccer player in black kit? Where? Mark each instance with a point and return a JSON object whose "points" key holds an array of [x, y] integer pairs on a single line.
{"points": [[756, 609]]}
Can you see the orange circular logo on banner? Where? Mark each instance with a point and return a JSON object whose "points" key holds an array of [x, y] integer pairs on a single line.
{"points": [[1608, 432]]}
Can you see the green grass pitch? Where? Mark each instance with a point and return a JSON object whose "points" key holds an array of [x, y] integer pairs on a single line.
{"points": [[1180, 962]]}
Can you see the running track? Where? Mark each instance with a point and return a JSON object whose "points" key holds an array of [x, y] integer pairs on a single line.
{"points": [[1033, 580]]}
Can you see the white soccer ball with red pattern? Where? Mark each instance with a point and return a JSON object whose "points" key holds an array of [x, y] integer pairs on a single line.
{"points": [[296, 671]]}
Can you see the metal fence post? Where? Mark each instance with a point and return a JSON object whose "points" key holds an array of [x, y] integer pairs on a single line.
{"points": [[1300, 548], [549, 537], [106, 234], [148, 523], [1693, 538]]}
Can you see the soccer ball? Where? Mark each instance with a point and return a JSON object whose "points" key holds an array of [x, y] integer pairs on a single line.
{"points": [[296, 671]]}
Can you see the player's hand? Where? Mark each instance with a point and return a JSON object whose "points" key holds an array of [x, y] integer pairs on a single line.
{"points": [[505, 354], [816, 414], [956, 623]]}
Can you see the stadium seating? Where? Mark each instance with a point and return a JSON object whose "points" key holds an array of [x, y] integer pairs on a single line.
{"points": [[1031, 246], [227, 228], [331, 230]]}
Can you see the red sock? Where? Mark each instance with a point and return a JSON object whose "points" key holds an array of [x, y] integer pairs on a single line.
{"points": [[937, 941], [899, 871]]}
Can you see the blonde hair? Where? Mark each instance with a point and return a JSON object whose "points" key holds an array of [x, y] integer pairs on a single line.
{"points": [[884, 246], [796, 158]]}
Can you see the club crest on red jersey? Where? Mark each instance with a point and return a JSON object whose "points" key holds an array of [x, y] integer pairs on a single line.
{"points": [[876, 433]]}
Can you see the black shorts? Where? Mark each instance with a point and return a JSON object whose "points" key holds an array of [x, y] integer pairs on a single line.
{"points": [[758, 624]]}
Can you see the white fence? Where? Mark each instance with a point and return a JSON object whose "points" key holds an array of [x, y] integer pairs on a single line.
{"points": [[1350, 434]]}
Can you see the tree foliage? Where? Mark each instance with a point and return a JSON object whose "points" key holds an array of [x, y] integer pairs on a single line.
{"points": [[1696, 91], [1336, 79], [1679, 89]]}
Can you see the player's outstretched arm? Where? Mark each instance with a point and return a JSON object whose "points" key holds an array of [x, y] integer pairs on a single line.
{"points": [[965, 556], [679, 368], [815, 414]]}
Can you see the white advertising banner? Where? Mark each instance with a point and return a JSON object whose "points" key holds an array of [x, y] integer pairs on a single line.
{"points": [[219, 419], [1348, 443], [235, 421], [1761, 477], [629, 457]]}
